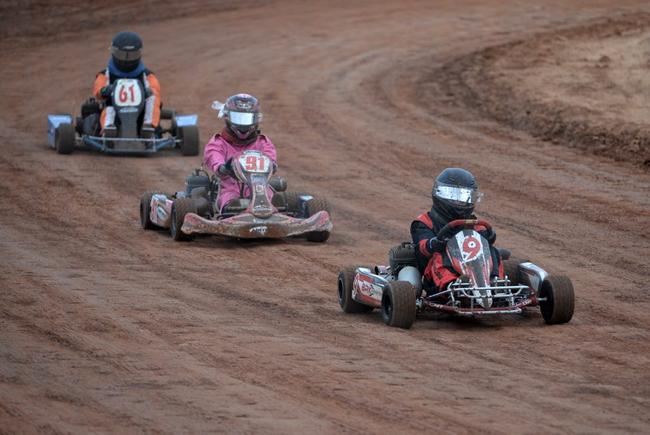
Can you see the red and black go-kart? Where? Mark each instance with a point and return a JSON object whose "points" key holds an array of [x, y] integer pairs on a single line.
{"points": [[397, 289], [194, 210]]}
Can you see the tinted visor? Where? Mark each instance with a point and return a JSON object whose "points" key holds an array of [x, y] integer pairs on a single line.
{"points": [[242, 118], [458, 195], [126, 55]]}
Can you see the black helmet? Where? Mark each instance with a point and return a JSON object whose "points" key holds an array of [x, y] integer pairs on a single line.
{"points": [[243, 115], [126, 50], [455, 193]]}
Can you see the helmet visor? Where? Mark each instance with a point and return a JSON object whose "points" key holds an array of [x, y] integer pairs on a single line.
{"points": [[242, 118], [125, 55], [458, 195]]}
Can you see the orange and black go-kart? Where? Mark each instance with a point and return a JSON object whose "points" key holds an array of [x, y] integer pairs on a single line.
{"points": [[126, 133]]}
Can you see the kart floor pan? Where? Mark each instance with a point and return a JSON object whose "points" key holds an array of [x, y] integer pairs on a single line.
{"points": [[247, 226]]}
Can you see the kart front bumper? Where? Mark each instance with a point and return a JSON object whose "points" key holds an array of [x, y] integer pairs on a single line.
{"points": [[247, 226], [478, 311], [128, 145]]}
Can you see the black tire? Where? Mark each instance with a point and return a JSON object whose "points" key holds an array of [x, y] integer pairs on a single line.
{"points": [[314, 206], [293, 202], [349, 305], [398, 304], [189, 140], [511, 270], [145, 211], [402, 255], [65, 138], [560, 299], [180, 208]]}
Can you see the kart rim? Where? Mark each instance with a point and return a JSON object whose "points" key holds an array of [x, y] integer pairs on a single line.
{"points": [[173, 229], [547, 306], [143, 214], [341, 292], [387, 308]]}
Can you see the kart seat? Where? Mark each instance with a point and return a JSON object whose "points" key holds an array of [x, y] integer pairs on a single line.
{"points": [[402, 255]]}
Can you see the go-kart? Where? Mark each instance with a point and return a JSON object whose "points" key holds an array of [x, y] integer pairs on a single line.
{"points": [[128, 107], [397, 289], [194, 210]]}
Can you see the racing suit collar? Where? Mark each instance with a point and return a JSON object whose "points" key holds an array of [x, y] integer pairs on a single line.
{"points": [[114, 71]]}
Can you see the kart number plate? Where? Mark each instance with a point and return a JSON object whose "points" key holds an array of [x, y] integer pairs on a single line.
{"points": [[128, 93], [255, 163]]}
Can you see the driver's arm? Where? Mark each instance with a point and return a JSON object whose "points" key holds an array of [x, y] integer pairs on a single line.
{"points": [[421, 235], [269, 149], [100, 82], [214, 155]]}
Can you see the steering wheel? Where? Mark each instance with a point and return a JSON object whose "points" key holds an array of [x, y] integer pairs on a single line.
{"points": [[457, 225]]}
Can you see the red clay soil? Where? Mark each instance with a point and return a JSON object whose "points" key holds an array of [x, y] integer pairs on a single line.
{"points": [[585, 87], [107, 328]]}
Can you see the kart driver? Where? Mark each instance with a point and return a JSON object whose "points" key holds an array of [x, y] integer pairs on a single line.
{"points": [[241, 133], [126, 63], [454, 194]]}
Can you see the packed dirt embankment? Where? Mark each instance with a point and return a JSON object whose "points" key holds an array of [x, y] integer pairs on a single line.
{"points": [[587, 87], [105, 327]]}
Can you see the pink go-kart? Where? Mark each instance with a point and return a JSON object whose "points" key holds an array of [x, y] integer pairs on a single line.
{"points": [[194, 211]]}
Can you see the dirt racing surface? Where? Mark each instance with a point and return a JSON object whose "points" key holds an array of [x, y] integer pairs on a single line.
{"points": [[107, 328]]}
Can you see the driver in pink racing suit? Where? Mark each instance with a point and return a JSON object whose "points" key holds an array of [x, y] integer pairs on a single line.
{"points": [[455, 194], [241, 133]]}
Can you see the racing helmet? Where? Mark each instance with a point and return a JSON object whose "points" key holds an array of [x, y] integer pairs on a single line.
{"points": [[455, 193], [126, 51], [242, 114]]}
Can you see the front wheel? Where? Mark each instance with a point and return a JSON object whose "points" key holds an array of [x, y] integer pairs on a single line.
{"points": [[345, 283], [145, 211], [189, 140], [314, 206], [64, 140], [398, 304], [558, 306], [180, 208]]}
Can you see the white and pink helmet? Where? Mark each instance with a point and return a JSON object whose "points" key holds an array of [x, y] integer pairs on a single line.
{"points": [[242, 114]]}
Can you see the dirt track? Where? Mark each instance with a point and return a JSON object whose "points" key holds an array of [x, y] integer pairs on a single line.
{"points": [[105, 327]]}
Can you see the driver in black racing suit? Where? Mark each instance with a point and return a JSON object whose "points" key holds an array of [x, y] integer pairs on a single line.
{"points": [[455, 194]]}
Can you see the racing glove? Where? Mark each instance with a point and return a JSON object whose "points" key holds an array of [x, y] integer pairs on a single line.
{"points": [[106, 91], [226, 168], [435, 245]]}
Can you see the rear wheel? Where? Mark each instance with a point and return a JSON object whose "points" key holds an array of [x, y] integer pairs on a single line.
{"points": [[293, 202], [349, 305], [145, 211], [511, 270], [315, 206], [560, 299], [398, 304], [180, 208], [64, 140], [189, 136]]}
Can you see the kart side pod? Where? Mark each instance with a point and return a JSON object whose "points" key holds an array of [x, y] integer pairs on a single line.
{"points": [[532, 275], [53, 123]]}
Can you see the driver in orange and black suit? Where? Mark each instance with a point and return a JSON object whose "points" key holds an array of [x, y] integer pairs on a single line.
{"points": [[455, 194], [126, 62]]}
